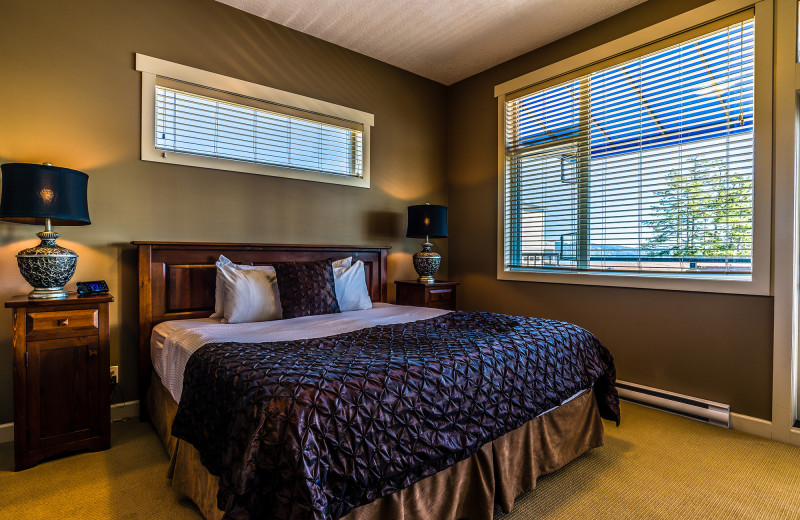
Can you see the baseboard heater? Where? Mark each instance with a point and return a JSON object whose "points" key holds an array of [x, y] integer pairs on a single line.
{"points": [[692, 407]]}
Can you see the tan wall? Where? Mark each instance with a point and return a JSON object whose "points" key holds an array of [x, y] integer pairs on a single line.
{"points": [[71, 97], [712, 346]]}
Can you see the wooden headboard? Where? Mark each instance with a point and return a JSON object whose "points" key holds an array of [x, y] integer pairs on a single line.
{"points": [[177, 280]]}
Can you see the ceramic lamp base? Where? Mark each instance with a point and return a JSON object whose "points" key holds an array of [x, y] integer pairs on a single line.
{"points": [[426, 263], [47, 267]]}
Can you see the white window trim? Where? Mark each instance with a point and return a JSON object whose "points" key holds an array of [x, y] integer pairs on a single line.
{"points": [[785, 363], [759, 284], [153, 67]]}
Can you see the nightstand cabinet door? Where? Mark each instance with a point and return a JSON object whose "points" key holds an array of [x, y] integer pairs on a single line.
{"points": [[63, 391], [61, 376]]}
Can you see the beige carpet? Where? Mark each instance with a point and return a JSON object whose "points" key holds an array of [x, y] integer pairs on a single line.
{"points": [[655, 465]]}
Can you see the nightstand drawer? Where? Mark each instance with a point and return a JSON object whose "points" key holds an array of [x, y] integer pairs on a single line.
{"points": [[64, 321], [440, 295]]}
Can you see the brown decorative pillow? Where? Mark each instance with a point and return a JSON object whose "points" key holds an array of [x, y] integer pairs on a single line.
{"points": [[306, 288]]}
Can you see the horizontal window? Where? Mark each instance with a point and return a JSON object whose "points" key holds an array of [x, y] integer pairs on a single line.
{"points": [[254, 130], [642, 167], [200, 125]]}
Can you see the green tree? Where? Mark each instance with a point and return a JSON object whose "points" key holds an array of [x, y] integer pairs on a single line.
{"points": [[706, 211]]}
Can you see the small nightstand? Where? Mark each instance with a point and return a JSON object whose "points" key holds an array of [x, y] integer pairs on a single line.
{"points": [[61, 376], [441, 295]]}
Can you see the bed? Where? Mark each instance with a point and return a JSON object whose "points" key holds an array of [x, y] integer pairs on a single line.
{"points": [[176, 286]]}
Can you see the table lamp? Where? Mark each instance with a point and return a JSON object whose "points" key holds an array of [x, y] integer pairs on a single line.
{"points": [[427, 221], [46, 195]]}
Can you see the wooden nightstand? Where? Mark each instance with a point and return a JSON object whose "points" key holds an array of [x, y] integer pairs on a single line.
{"points": [[441, 295], [61, 376]]}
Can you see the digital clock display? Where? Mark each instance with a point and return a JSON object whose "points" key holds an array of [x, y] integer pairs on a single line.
{"points": [[89, 288]]}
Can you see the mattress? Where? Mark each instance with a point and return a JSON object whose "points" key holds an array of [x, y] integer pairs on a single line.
{"points": [[173, 342]]}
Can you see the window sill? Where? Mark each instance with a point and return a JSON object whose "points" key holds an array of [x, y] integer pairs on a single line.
{"points": [[731, 284], [229, 165]]}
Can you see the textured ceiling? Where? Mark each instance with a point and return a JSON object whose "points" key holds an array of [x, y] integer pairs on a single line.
{"points": [[444, 40]]}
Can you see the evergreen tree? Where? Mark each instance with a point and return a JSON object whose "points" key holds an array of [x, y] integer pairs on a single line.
{"points": [[705, 212]]}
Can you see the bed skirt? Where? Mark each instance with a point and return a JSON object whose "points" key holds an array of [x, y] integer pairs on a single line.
{"points": [[499, 472]]}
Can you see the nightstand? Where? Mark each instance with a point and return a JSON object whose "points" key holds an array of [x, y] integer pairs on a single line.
{"points": [[441, 295], [61, 376]]}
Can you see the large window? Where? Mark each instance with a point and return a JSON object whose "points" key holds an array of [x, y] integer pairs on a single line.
{"points": [[640, 165], [197, 118]]}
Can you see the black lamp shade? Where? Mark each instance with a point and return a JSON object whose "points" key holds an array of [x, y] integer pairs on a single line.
{"points": [[427, 220], [32, 193]]}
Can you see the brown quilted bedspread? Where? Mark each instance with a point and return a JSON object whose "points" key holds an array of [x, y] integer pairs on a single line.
{"points": [[311, 429]]}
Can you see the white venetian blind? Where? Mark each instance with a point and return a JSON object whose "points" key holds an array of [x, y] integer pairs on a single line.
{"points": [[217, 126], [643, 166]]}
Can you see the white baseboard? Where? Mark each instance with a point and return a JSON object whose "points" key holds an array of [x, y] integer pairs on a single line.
{"points": [[118, 411], [751, 425], [794, 436], [6, 432], [124, 410]]}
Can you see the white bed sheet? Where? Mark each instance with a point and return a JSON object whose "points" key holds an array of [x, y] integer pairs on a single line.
{"points": [[173, 342]]}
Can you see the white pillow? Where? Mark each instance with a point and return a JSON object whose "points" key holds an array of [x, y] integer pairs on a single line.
{"points": [[351, 288], [250, 294], [219, 293], [344, 262]]}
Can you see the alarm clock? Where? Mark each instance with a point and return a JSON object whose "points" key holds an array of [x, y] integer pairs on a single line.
{"points": [[92, 288]]}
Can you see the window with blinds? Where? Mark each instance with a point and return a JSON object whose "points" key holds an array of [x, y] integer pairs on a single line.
{"points": [[191, 123], [644, 165]]}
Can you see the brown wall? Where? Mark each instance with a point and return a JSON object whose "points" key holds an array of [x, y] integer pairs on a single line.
{"points": [[71, 96], [713, 346]]}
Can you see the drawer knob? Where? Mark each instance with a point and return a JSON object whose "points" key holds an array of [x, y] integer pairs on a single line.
{"points": [[92, 352], [63, 323]]}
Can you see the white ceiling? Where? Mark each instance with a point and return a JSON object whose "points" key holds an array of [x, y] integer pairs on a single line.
{"points": [[444, 40]]}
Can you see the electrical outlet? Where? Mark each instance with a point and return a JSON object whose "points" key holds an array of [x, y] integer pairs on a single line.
{"points": [[114, 375]]}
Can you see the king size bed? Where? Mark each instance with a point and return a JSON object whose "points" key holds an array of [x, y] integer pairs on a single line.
{"points": [[382, 412]]}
